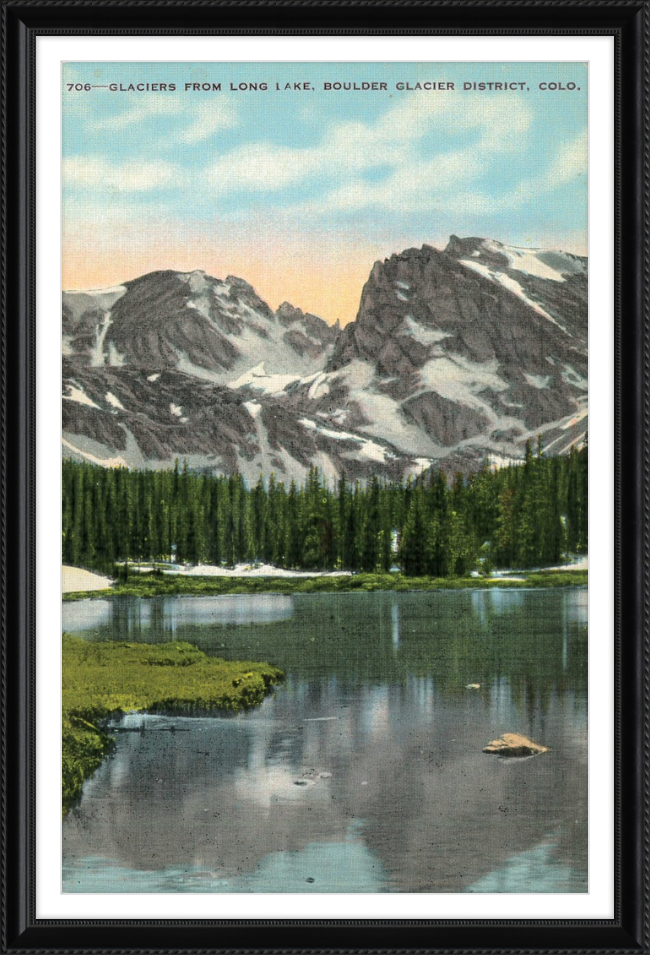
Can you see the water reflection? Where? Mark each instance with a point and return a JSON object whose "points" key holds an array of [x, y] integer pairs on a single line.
{"points": [[534, 639], [127, 618], [231, 608], [535, 870], [395, 615], [320, 867], [373, 729], [81, 616]]}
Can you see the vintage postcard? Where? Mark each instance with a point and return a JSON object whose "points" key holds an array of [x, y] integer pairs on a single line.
{"points": [[325, 471]]}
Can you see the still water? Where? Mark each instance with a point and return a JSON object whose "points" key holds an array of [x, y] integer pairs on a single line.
{"points": [[364, 771]]}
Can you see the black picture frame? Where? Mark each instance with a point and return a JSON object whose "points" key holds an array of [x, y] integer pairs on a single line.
{"points": [[629, 24]]}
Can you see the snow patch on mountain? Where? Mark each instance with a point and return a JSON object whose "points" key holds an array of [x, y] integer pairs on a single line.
{"points": [[572, 377], [92, 459], [264, 355], [537, 381], [267, 459], [98, 359], [188, 367], [338, 435], [365, 450], [564, 443], [507, 282], [319, 388], [461, 380], [370, 451], [196, 280], [497, 461], [201, 305], [382, 414], [80, 396], [576, 419], [424, 333], [113, 401], [532, 261], [115, 358], [258, 379]]}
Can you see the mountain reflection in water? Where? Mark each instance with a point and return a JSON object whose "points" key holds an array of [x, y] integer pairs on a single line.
{"points": [[364, 771]]}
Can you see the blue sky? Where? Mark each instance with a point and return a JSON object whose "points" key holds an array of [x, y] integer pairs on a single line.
{"points": [[289, 182]]}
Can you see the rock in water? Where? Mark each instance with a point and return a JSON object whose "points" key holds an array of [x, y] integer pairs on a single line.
{"points": [[513, 744]]}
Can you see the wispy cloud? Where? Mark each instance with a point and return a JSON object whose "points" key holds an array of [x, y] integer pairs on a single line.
{"points": [[221, 115], [571, 160], [401, 145], [569, 163], [97, 173], [144, 110]]}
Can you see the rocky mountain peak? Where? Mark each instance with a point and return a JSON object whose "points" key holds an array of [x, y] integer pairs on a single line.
{"points": [[288, 314], [454, 355], [307, 334], [479, 345]]}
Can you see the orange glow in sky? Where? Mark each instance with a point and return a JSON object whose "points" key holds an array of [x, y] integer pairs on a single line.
{"points": [[318, 273], [316, 276]]}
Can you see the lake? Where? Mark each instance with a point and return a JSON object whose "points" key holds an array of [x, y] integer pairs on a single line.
{"points": [[364, 771]]}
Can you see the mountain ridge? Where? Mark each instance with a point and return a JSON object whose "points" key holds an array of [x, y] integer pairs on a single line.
{"points": [[455, 356]]}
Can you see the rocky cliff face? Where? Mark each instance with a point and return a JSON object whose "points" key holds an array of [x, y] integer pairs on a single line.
{"points": [[469, 350], [191, 322], [455, 355]]}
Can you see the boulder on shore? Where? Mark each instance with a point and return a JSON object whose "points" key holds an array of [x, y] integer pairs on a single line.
{"points": [[513, 744]]}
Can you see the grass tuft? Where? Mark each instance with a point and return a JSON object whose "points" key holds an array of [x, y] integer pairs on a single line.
{"points": [[103, 680]]}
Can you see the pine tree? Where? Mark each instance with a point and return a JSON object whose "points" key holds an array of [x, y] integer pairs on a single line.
{"points": [[412, 546], [514, 516]]}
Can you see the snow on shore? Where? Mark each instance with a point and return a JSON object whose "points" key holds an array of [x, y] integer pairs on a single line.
{"points": [[580, 563], [577, 563], [248, 570], [74, 578]]}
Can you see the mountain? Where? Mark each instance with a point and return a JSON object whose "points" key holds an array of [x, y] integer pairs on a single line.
{"points": [[184, 365], [460, 353], [454, 356], [124, 416], [192, 323]]}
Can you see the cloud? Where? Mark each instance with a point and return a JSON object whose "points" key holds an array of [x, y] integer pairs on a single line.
{"points": [[221, 115], [401, 146], [570, 163], [459, 154], [264, 167], [96, 173], [145, 109], [345, 148], [204, 122]]}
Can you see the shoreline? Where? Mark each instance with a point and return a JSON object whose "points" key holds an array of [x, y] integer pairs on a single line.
{"points": [[103, 681], [213, 586]]}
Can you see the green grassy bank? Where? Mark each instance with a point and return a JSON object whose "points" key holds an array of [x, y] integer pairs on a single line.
{"points": [[109, 679], [170, 585]]}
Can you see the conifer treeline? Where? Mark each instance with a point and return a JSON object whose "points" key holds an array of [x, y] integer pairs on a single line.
{"points": [[520, 516]]}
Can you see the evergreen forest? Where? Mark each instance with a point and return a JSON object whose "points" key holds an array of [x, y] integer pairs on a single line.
{"points": [[521, 516]]}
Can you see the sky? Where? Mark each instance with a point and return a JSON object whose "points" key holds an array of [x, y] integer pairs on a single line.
{"points": [[299, 191]]}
